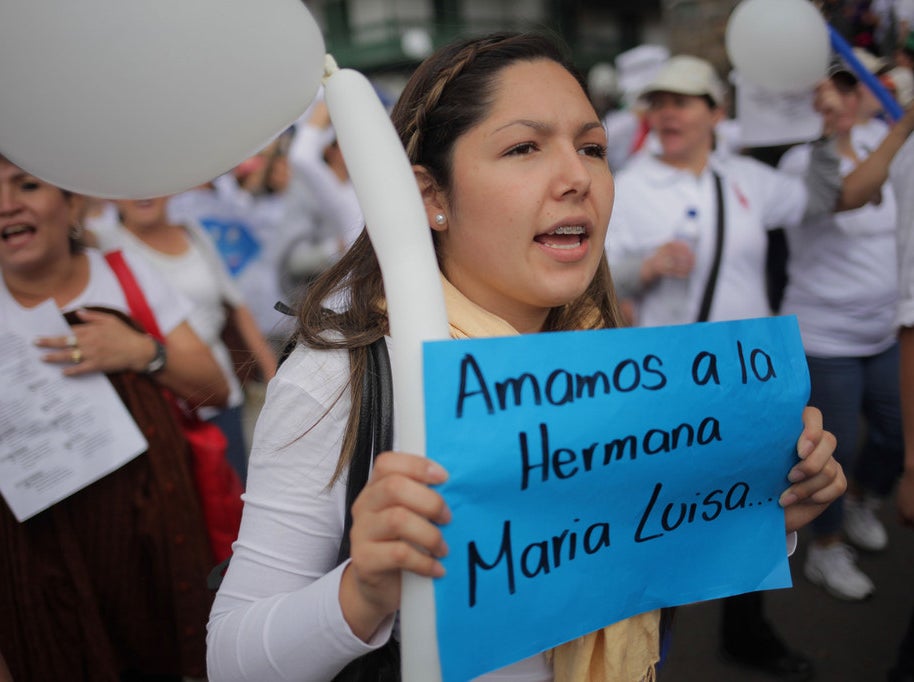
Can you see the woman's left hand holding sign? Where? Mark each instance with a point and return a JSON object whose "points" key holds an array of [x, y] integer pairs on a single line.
{"points": [[817, 479]]}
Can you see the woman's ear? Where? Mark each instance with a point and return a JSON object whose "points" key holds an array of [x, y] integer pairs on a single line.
{"points": [[433, 199]]}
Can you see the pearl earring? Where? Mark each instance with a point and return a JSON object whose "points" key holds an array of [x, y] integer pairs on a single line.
{"points": [[440, 219]]}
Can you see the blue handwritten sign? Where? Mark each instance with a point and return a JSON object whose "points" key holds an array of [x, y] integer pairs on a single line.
{"points": [[597, 475]]}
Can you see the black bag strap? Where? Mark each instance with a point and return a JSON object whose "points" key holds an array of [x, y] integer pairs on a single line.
{"points": [[375, 435], [708, 296], [375, 430]]}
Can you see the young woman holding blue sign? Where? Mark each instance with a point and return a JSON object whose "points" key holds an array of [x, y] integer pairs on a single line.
{"points": [[509, 156]]}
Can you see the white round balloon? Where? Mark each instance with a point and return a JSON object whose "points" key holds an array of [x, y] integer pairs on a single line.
{"points": [[141, 98], [780, 45]]}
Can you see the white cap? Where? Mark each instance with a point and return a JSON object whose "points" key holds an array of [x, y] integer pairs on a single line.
{"points": [[687, 75], [901, 80], [636, 67], [870, 62]]}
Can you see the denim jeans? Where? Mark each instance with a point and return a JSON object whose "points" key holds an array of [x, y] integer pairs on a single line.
{"points": [[846, 389], [230, 421]]}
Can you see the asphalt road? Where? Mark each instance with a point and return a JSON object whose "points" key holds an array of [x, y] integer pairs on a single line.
{"points": [[847, 641]]}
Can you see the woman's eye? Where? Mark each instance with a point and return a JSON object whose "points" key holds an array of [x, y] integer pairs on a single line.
{"points": [[523, 148], [29, 185], [597, 151]]}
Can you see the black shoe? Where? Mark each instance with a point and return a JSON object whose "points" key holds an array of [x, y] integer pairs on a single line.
{"points": [[770, 655], [898, 675]]}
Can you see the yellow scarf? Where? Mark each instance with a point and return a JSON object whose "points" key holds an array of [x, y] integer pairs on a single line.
{"points": [[626, 651]]}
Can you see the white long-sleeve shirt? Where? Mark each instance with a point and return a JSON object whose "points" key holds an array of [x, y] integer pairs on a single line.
{"points": [[277, 615]]}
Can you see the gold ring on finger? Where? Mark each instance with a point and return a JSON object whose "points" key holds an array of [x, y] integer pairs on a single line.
{"points": [[76, 356]]}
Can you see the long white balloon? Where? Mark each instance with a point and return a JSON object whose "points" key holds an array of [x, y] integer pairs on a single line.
{"points": [[396, 222]]}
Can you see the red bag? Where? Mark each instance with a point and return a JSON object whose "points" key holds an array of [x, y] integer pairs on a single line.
{"points": [[218, 485]]}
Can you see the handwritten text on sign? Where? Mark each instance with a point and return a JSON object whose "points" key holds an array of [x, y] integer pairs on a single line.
{"points": [[596, 475]]}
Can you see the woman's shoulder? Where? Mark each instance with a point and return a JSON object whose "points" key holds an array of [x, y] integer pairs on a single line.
{"points": [[308, 395], [169, 306], [101, 273], [150, 280], [320, 373]]}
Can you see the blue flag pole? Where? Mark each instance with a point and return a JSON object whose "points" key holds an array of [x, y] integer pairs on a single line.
{"points": [[892, 109]]}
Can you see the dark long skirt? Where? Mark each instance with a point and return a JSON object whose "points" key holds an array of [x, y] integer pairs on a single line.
{"points": [[112, 579]]}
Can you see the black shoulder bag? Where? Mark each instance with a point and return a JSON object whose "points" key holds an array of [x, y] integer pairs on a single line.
{"points": [[375, 435], [708, 296], [667, 615]]}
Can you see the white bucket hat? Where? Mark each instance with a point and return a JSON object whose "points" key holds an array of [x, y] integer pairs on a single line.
{"points": [[687, 75]]}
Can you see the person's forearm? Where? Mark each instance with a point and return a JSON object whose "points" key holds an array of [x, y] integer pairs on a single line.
{"points": [[190, 370], [363, 618], [868, 177], [191, 376], [823, 179]]}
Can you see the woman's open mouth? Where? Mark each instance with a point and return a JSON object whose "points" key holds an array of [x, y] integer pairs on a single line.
{"points": [[565, 237], [12, 231]]}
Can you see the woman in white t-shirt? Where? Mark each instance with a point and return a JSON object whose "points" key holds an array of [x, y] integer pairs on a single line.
{"points": [[187, 258]]}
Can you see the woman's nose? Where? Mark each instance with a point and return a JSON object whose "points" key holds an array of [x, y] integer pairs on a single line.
{"points": [[8, 202], [574, 176]]}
